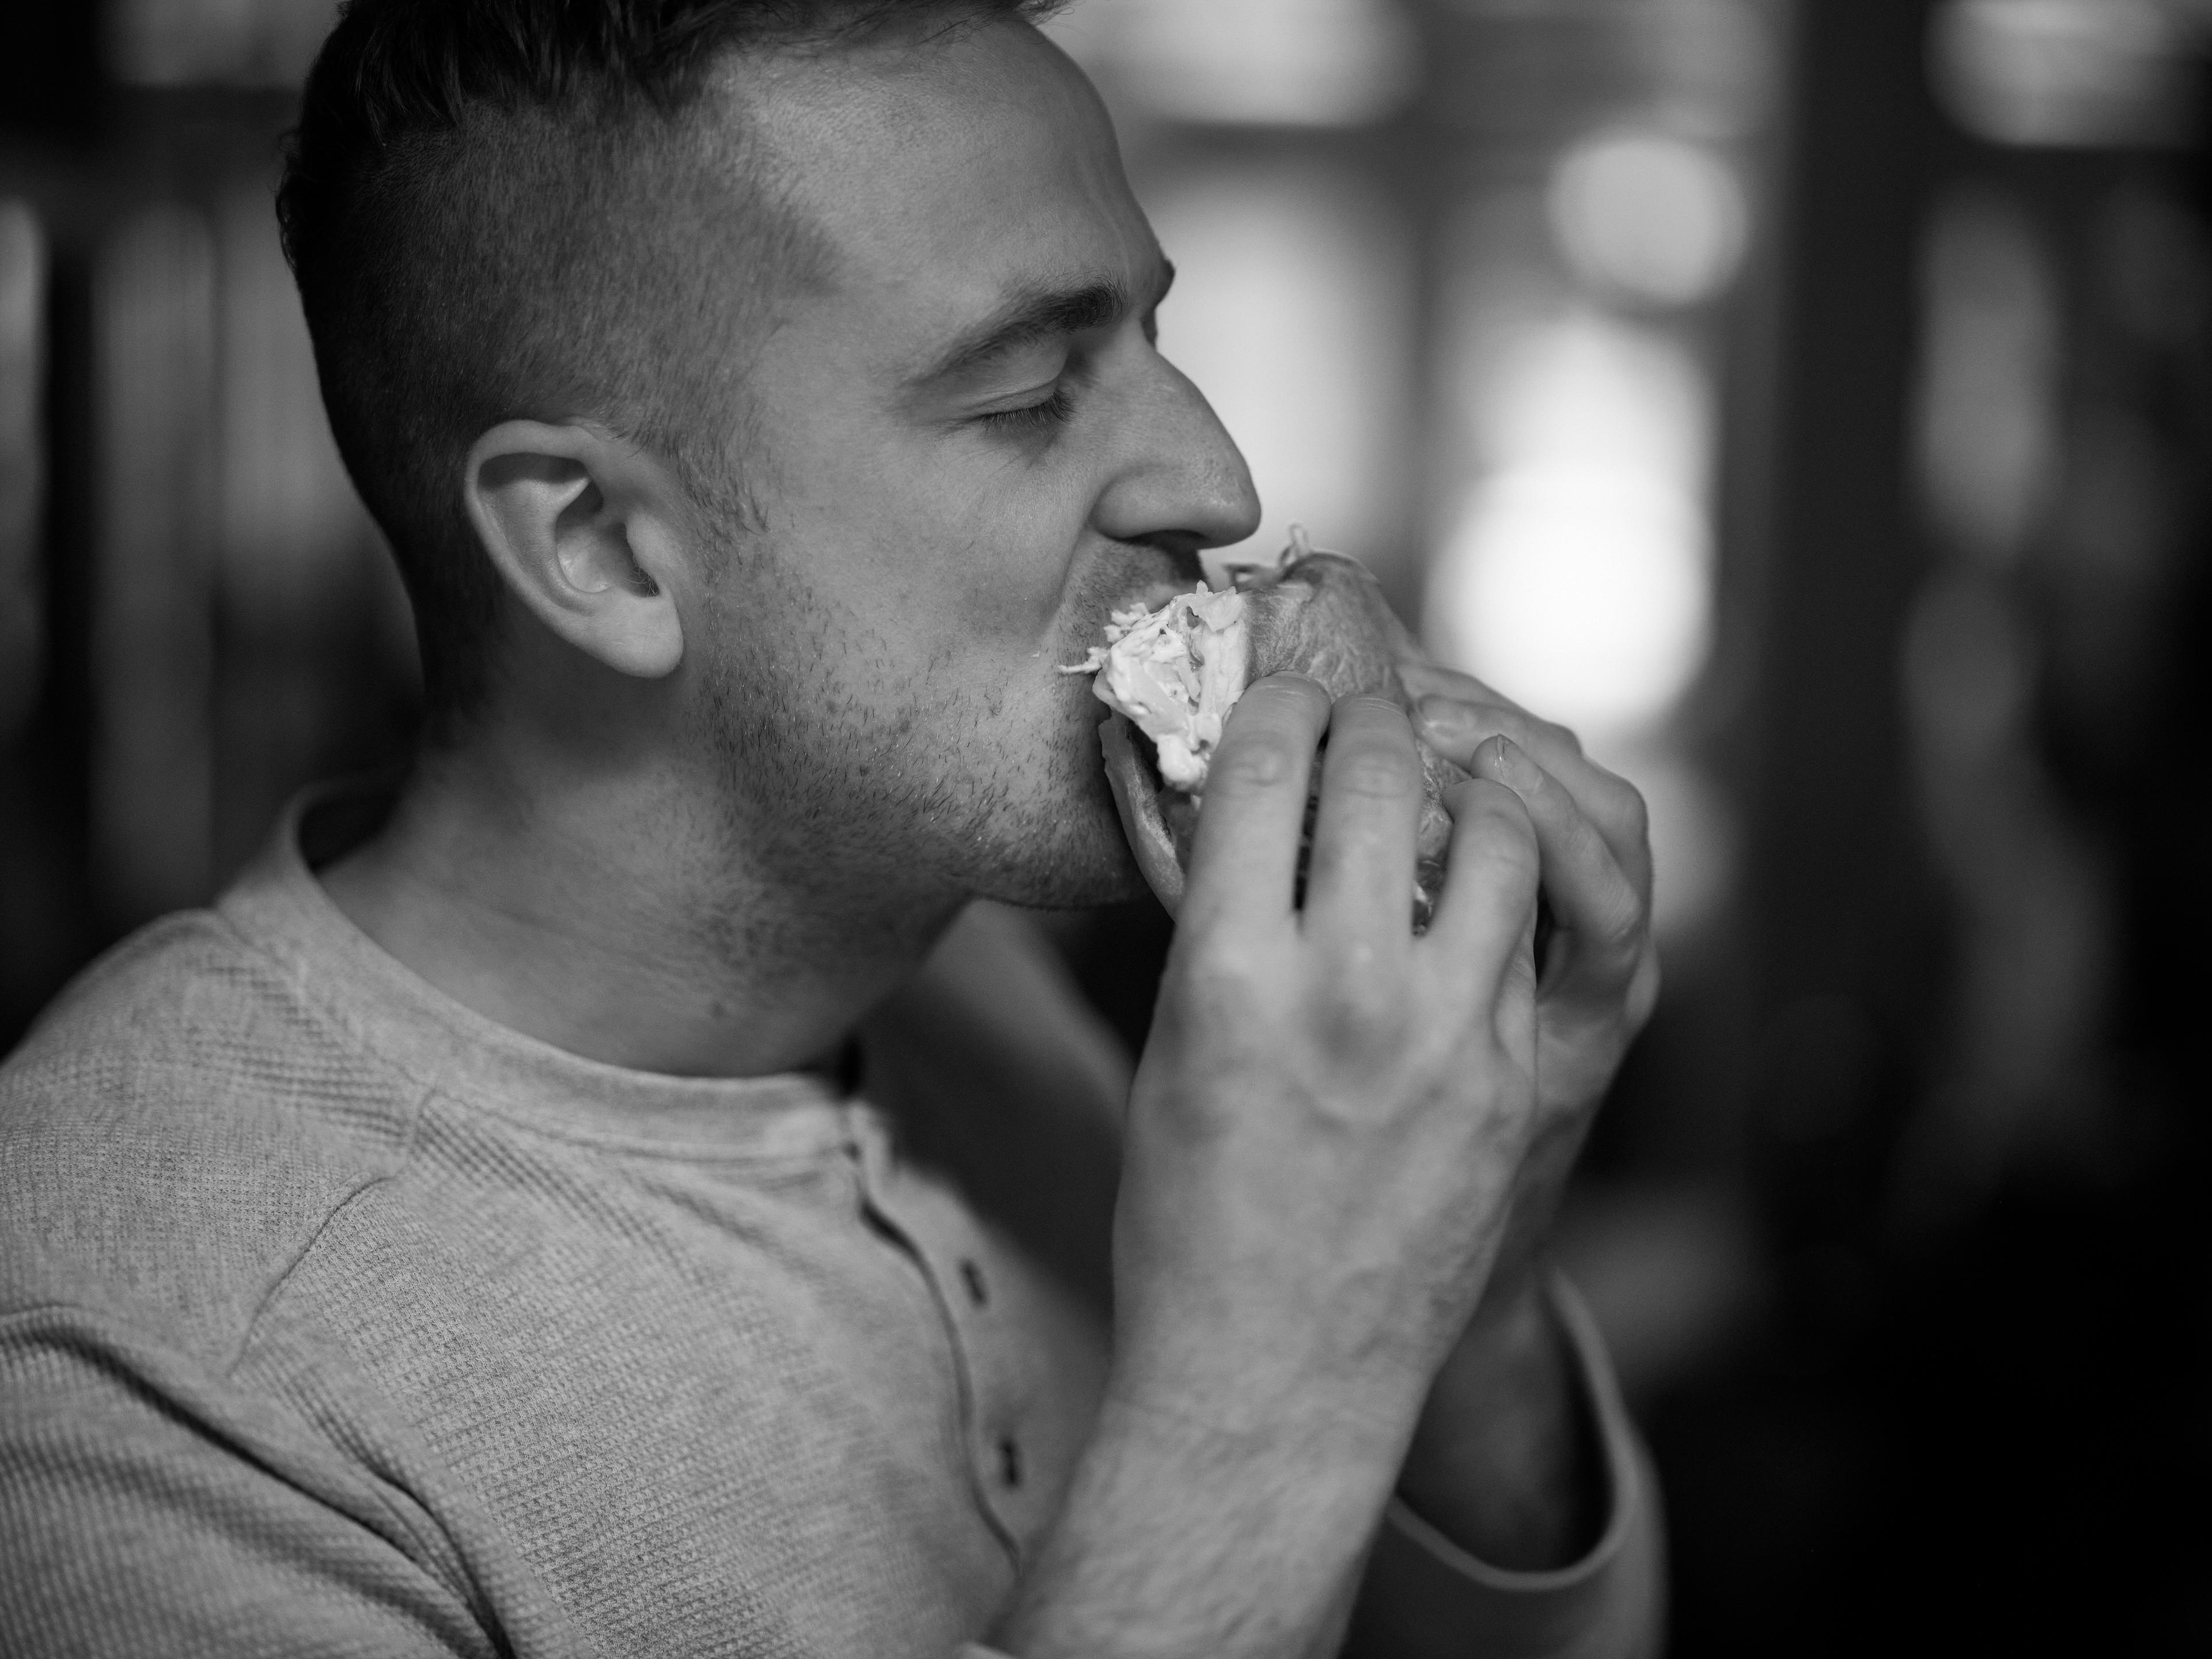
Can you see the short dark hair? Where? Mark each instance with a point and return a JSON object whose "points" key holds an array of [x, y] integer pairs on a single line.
{"points": [[484, 203]]}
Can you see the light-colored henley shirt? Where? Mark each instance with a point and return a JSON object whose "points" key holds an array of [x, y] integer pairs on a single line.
{"points": [[336, 1319]]}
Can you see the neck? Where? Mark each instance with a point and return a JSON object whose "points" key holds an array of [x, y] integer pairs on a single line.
{"points": [[611, 916]]}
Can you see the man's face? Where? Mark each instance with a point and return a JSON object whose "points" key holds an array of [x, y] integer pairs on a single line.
{"points": [[965, 450]]}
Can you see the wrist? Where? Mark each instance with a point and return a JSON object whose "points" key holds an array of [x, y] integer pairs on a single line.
{"points": [[1258, 1368], [1505, 1459], [1181, 1535]]}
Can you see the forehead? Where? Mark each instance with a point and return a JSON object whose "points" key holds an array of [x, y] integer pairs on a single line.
{"points": [[945, 173]]}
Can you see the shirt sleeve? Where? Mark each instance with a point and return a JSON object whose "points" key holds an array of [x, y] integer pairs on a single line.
{"points": [[145, 1511], [1425, 1598]]}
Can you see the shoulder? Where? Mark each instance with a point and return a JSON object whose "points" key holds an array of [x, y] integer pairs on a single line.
{"points": [[175, 1129]]}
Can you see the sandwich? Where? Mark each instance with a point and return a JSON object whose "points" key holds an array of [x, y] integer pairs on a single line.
{"points": [[1169, 678]]}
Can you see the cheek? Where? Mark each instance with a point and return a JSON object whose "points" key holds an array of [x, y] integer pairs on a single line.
{"points": [[976, 546], [935, 558]]}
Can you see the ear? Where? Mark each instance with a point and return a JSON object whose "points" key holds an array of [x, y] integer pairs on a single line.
{"points": [[586, 533]]}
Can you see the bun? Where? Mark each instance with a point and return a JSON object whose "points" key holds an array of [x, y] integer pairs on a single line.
{"points": [[1317, 614], [1136, 788]]}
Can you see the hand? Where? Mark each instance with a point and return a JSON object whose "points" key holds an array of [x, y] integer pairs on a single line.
{"points": [[1501, 1459], [1331, 1114], [1602, 970], [1322, 1139]]}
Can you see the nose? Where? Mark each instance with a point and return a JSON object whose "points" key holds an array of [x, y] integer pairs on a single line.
{"points": [[1180, 482]]}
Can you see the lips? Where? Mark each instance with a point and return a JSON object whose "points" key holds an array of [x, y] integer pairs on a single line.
{"points": [[1313, 613]]}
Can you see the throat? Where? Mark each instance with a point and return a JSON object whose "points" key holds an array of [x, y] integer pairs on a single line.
{"points": [[621, 942]]}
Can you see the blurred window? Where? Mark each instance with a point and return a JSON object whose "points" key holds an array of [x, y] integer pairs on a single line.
{"points": [[1291, 312]]}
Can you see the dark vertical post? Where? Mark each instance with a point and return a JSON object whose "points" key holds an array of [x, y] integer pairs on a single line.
{"points": [[1840, 945]]}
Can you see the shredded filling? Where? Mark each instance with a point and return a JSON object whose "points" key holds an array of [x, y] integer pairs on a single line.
{"points": [[1175, 672]]}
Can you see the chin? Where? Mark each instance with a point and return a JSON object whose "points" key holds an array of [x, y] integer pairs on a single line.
{"points": [[1066, 876], [1072, 857]]}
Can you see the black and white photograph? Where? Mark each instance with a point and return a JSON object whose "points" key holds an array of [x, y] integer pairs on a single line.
{"points": [[1105, 828]]}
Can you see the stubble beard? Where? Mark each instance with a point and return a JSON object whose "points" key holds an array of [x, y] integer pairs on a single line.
{"points": [[872, 814]]}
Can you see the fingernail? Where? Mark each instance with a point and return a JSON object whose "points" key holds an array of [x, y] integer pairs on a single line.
{"points": [[1510, 764], [1443, 714]]}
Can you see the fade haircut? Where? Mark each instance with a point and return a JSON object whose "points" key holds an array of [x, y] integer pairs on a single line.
{"points": [[504, 208]]}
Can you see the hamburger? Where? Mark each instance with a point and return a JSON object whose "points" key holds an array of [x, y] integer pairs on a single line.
{"points": [[1169, 678]]}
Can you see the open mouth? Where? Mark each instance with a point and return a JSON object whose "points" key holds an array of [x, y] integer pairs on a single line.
{"points": [[1170, 675], [1175, 672]]}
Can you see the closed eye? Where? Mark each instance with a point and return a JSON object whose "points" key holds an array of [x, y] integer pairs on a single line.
{"points": [[1048, 412]]}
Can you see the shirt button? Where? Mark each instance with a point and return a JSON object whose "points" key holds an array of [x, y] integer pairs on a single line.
{"points": [[972, 1277], [1010, 1461]]}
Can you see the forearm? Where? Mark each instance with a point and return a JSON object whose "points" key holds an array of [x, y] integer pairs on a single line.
{"points": [[1505, 1461], [1180, 1538]]}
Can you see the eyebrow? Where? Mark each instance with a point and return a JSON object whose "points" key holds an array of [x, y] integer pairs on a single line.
{"points": [[1034, 314]]}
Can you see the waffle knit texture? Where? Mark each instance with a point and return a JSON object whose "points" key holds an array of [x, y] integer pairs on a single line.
{"points": [[335, 1320]]}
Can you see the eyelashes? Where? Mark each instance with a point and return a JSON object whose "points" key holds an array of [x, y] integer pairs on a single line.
{"points": [[1033, 417], [1052, 412]]}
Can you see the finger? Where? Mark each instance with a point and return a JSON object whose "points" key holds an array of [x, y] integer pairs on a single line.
{"points": [[1487, 915], [1361, 881], [1602, 919], [1423, 679], [1245, 860], [1456, 726], [1456, 729]]}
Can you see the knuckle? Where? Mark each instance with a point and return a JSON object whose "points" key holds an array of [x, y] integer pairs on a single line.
{"points": [[1257, 761], [1367, 1012], [1371, 768], [1366, 706], [1622, 924], [1636, 817], [1216, 972], [1643, 989], [1625, 807], [1293, 695]]}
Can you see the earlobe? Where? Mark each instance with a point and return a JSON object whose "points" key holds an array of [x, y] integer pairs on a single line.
{"points": [[573, 521]]}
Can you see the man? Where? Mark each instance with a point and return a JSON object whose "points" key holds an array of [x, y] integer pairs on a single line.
{"points": [[610, 1198]]}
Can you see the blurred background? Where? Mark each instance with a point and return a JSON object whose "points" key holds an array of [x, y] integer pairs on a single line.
{"points": [[1811, 403]]}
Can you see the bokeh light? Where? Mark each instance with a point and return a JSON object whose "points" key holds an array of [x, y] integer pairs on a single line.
{"points": [[1579, 591], [1576, 577], [1650, 217], [2066, 72], [1270, 62]]}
